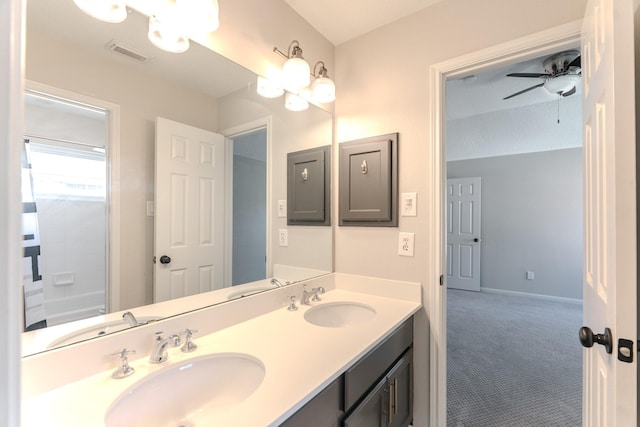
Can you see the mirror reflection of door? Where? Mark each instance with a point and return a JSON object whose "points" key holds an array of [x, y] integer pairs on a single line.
{"points": [[189, 217], [249, 234], [65, 147]]}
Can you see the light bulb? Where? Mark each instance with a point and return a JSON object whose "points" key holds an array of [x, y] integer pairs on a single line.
{"points": [[113, 11], [268, 89], [201, 15], [323, 90], [167, 36], [296, 73], [293, 102]]}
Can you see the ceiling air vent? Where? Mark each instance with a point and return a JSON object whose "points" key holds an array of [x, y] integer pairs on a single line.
{"points": [[119, 48]]}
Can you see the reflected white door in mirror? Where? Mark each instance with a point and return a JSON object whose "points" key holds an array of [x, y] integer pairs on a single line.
{"points": [[189, 226]]}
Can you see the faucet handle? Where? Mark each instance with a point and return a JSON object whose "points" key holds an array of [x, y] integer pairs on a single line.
{"points": [[189, 345], [292, 303], [124, 370], [316, 291]]}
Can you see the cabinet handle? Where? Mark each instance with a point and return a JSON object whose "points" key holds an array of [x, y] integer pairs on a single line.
{"points": [[395, 396], [390, 411]]}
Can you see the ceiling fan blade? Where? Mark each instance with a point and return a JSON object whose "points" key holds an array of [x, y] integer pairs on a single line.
{"points": [[575, 63], [523, 91], [569, 92], [535, 75]]}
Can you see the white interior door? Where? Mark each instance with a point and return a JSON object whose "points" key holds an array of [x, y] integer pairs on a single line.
{"points": [[610, 385], [463, 233], [189, 226]]}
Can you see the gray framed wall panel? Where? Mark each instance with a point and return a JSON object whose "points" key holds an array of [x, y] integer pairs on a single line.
{"points": [[309, 187], [368, 182]]}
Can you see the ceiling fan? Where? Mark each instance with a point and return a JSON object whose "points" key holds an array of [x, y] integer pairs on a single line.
{"points": [[562, 74]]}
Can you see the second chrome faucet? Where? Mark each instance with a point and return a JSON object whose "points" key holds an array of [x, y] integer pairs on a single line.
{"points": [[160, 345]]}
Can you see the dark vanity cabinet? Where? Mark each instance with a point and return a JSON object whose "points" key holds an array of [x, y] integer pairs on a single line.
{"points": [[376, 391], [389, 404]]}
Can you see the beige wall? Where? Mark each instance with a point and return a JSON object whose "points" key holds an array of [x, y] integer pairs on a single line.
{"points": [[382, 83]]}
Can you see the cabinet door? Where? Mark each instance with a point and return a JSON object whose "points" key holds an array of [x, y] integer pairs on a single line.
{"points": [[373, 410], [400, 387], [324, 410]]}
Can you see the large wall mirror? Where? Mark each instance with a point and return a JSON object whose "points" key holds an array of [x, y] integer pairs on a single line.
{"points": [[78, 86]]}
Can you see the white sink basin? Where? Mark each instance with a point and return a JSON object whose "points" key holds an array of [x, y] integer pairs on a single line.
{"points": [[339, 314], [96, 331], [179, 393]]}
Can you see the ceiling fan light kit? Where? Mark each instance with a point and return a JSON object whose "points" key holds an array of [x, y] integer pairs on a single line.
{"points": [[562, 74]]}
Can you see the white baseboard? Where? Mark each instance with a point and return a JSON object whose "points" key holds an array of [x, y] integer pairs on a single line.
{"points": [[530, 295]]}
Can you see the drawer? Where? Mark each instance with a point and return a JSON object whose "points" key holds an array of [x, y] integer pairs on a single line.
{"points": [[365, 373]]}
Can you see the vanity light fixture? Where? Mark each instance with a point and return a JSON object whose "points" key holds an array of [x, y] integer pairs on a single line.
{"points": [[323, 89], [169, 20], [201, 14], [113, 11], [296, 73], [268, 89], [294, 102], [166, 35]]}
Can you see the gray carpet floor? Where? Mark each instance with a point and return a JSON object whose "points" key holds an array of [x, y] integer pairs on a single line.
{"points": [[512, 361]]}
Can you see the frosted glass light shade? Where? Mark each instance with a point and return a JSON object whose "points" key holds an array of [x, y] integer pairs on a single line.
{"points": [[293, 102], [167, 36], [113, 11], [296, 73], [268, 89], [201, 15], [323, 90], [561, 83]]}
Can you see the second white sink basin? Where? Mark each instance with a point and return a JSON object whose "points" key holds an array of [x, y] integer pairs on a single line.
{"points": [[339, 314], [181, 392]]}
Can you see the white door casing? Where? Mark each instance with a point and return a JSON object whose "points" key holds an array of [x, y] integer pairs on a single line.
{"points": [[189, 213], [609, 388], [463, 233]]}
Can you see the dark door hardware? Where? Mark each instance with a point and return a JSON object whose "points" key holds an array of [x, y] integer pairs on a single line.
{"points": [[588, 338], [164, 259]]}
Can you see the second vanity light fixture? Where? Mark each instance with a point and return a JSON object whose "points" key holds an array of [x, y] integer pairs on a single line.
{"points": [[295, 77], [168, 19]]}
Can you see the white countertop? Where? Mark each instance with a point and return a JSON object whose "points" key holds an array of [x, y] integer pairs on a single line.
{"points": [[300, 359]]}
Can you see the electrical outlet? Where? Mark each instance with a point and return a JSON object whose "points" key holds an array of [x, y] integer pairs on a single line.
{"points": [[283, 237], [530, 275], [405, 244], [150, 208]]}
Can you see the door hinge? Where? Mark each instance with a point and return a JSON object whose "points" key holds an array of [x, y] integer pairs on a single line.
{"points": [[441, 279]]}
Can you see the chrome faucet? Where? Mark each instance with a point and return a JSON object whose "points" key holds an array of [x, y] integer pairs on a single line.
{"points": [[130, 318], [313, 294], [276, 283], [159, 352]]}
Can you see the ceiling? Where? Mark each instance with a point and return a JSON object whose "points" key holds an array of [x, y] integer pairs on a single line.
{"points": [[343, 20], [484, 92]]}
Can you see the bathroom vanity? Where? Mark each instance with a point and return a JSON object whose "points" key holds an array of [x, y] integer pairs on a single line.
{"points": [[344, 360]]}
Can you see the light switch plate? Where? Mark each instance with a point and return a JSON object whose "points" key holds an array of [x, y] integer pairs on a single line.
{"points": [[283, 237], [282, 208], [408, 204], [405, 244]]}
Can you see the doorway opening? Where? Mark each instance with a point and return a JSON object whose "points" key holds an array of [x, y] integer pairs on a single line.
{"points": [[526, 48], [249, 207], [512, 351], [65, 184]]}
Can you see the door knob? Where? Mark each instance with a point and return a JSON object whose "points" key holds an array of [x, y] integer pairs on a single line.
{"points": [[476, 240], [587, 338], [164, 259]]}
